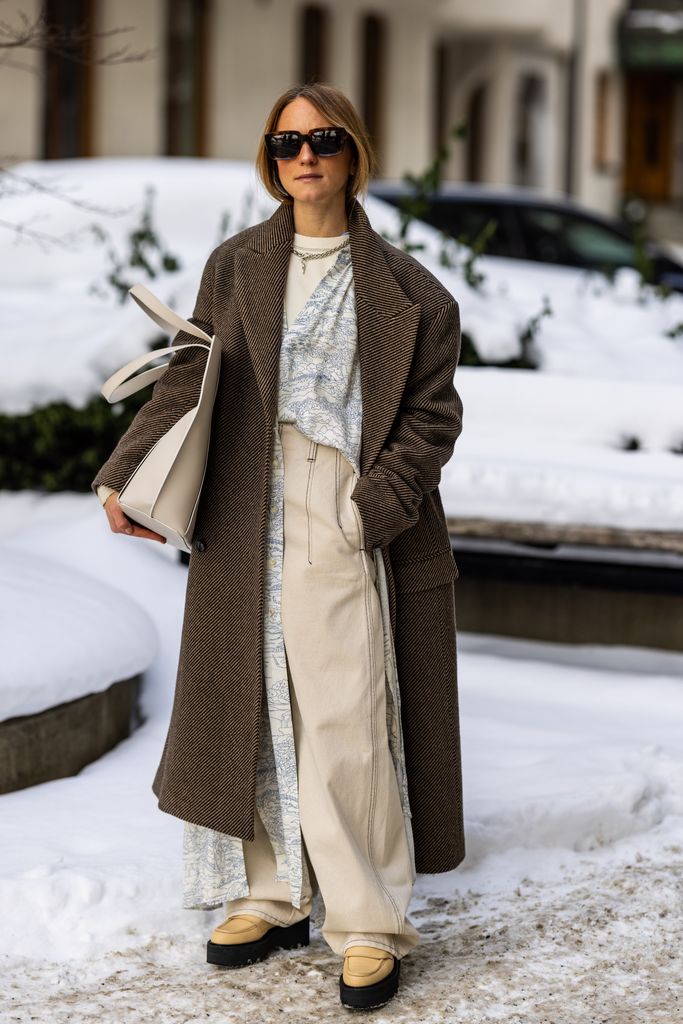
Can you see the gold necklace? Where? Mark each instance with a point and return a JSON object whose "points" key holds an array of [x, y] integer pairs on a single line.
{"points": [[316, 254]]}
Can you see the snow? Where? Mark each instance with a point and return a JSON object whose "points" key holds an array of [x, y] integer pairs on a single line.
{"points": [[65, 345], [573, 773], [543, 447], [581, 778], [596, 330], [93, 635]]}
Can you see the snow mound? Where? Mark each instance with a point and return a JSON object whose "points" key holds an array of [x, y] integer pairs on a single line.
{"points": [[65, 634]]}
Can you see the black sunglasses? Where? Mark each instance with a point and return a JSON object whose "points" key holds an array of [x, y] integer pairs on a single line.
{"points": [[323, 142]]}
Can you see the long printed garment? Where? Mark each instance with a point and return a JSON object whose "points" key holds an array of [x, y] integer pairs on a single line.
{"points": [[319, 391]]}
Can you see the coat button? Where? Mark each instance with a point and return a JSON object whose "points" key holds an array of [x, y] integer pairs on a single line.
{"points": [[200, 545]]}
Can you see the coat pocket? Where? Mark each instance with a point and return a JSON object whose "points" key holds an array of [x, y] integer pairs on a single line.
{"points": [[425, 539], [423, 573]]}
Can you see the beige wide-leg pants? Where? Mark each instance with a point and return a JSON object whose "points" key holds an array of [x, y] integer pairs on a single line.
{"points": [[352, 823]]}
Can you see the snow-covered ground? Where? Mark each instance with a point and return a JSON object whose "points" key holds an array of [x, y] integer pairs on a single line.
{"points": [[569, 901]]}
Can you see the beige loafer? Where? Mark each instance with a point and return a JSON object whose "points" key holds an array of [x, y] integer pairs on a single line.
{"points": [[247, 938], [369, 977], [241, 928]]}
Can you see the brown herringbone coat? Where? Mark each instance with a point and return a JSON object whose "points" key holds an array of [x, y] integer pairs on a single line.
{"points": [[409, 344]]}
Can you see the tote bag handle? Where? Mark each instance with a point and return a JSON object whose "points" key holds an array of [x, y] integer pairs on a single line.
{"points": [[118, 386]]}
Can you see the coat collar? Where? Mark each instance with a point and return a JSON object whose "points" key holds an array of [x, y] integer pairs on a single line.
{"points": [[387, 320]]}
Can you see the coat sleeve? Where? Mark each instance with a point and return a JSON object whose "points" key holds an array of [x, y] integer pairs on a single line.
{"points": [[422, 438], [173, 394]]}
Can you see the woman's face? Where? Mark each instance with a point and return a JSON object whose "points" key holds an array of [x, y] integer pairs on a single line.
{"points": [[309, 178]]}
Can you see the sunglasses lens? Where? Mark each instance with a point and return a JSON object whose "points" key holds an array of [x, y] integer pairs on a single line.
{"points": [[283, 145], [328, 141]]}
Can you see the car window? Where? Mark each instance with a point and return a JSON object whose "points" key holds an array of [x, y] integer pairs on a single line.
{"points": [[553, 236], [463, 217]]}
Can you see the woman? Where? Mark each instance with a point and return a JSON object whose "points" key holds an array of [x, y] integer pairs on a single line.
{"points": [[321, 575]]}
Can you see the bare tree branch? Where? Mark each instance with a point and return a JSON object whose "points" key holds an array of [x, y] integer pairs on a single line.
{"points": [[67, 43], [62, 41], [43, 239], [25, 183], [13, 183]]}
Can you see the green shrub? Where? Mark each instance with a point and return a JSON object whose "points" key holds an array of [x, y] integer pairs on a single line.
{"points": [[59, 448]]}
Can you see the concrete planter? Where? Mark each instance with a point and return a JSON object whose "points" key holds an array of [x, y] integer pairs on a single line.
{"points": [[59, 741]]}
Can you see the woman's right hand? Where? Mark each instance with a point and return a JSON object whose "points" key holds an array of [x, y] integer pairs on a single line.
{"points": [[120, 523]]}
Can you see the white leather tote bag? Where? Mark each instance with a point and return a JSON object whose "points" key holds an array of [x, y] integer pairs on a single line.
{"points": [[163, 492]]}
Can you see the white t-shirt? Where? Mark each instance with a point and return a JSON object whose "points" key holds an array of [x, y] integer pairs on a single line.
{"points": [[300, 283]]}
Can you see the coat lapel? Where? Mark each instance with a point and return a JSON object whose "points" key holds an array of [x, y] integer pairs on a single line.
{"points": [[387, 319], [387, 330], [260, 275]]}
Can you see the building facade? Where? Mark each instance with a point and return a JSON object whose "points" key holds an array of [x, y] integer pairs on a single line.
{"points": [[577, 97]]}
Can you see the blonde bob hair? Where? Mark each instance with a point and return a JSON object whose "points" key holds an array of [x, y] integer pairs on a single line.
{"points": [[338, 109]]}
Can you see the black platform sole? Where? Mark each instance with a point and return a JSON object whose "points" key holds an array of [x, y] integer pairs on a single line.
{"points": [[242, 953], [365, 997]]}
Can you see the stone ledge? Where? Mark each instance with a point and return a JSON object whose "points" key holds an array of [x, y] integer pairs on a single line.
{"points": [[547, 534], [61, 740]]}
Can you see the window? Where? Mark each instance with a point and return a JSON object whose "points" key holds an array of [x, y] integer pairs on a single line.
{"points": [[373, 81], [314, 44], [468, 218], [530, 142], [186, 77], [440, 94], [475, 134], [554, 236], [67, 80], [601, 127]]}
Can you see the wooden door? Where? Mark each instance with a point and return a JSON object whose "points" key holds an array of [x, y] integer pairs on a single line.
{"points": [[649, 134]]}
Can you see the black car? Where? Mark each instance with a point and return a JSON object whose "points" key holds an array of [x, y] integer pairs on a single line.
{"points": [[531, 226]]}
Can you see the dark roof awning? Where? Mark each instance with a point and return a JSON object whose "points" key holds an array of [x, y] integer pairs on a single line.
{"points": [[650, 35]]}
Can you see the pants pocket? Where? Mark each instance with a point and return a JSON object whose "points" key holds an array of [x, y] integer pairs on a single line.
{"points": [[359, 521], [311, 458], [348, 516]]}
